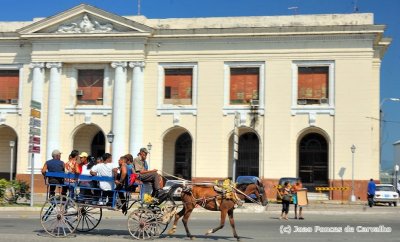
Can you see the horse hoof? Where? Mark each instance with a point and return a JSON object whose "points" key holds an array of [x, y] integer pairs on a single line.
{"points": [[172, 231], [209, 232], [192, 238]]}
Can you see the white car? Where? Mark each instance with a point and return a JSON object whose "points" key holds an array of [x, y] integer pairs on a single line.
{"points": [[385, 193], [177, 193]]}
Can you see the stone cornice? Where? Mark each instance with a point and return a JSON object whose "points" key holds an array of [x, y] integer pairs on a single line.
{"points": [[273, 31]]}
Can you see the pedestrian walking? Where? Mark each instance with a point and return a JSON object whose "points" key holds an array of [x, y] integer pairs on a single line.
{"points": [[371, 192], [398, 187], [286, 196]]}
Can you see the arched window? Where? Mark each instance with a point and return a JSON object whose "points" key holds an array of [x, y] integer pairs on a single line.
{"points": [[313, 160], [183, 156], [248, 157]]}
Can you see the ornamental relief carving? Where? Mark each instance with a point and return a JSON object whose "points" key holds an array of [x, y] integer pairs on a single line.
{"points": [[85, 26]]}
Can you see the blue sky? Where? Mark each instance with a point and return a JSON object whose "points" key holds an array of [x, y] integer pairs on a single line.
{"points": [[385, 11]]}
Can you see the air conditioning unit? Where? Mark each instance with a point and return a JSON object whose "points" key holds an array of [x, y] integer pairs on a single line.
{"points": [[254, 103], [301, 101], [324, 101], [79, 92], [14, 101]]}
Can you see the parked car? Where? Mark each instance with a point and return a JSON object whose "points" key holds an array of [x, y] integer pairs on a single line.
{"points": [[248, 180], [291, 180], [386, 193], [177, 193]]}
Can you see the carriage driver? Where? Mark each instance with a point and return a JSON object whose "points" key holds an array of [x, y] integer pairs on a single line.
{"points": [[144, 175]]}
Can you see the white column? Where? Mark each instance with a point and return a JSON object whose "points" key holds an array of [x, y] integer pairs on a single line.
{"points": [[136, 112], [37, 95], [119, 109], [37, 82], [54, 108]]}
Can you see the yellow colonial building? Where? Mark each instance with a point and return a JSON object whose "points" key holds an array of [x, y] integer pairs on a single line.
{"points": [[299, 90]]}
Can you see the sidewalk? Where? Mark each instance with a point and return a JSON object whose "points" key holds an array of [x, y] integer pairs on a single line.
{"points": [[321, 207]]}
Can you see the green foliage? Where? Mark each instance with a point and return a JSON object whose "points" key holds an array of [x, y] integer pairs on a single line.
{"points": [[11, 191]]}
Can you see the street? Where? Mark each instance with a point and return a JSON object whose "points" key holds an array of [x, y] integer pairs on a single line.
{"points": [[322, 223]]}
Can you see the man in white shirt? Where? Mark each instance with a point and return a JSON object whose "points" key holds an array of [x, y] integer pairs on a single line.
{"points": [[105, 169]]}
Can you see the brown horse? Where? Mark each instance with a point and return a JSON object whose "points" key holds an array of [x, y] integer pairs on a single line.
{"points": [[206, 197]]}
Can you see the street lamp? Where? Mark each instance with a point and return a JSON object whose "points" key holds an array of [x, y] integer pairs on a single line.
{"points": [[12, 144], [149, 145], [110, 138], [381, 116], [353, 150]]}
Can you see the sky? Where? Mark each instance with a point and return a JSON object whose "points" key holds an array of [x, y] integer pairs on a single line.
{"points": [[385, 12]]}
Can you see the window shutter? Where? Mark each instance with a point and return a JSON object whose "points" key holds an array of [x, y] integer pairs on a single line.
{"points": [[9, 85], [313, 82], [244, 85], [91, 83], [178, 86]]}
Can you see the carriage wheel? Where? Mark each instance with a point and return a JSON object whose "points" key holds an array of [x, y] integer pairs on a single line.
{"points": [[89, 219], [168, 211], [142, 224], [60, 216]]}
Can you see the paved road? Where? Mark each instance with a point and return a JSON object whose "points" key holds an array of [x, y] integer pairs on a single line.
{"points": [[321, 224]]}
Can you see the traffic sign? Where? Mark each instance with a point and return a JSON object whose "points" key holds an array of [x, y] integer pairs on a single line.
{"points": [[34, 140], [36, 105], [34, 149], [34, 131], [35, 113], [35, 122]]}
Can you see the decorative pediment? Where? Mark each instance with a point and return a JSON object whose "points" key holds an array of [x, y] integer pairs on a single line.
{"points": [[85, 26], [84, 19]]}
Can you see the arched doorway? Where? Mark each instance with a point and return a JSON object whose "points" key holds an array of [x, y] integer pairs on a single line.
{"points": [[98, 144], [89, 138], [248, 155], [313, 160], [8, 152], [183, 156]]}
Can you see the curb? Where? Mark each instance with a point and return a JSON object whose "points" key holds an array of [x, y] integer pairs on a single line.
{"points": [[325, 208]]}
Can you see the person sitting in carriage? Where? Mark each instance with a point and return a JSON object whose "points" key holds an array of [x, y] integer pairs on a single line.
{"points": [[144, 174], [121, 181], [55, 165], [104, 169]]}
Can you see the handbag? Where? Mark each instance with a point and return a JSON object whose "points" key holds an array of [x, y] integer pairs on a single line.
{"points": [[286, 197]]}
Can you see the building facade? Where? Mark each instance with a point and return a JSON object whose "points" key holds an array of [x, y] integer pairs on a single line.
{"points": [[299, 91]]}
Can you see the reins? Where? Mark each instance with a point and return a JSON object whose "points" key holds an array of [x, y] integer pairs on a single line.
{"points": [[248, 197]]}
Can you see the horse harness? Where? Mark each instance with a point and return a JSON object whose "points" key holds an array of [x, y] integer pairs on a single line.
{"points": [[224, 189]]}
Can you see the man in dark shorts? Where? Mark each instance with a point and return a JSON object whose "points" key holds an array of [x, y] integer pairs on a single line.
{"points": [[55, 165]]}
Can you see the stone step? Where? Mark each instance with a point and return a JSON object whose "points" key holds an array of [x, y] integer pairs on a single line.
{"points": [[316, 196]]}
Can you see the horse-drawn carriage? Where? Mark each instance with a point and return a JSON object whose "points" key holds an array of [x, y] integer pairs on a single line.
{"points": [[82, 209], [62, 215]]}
